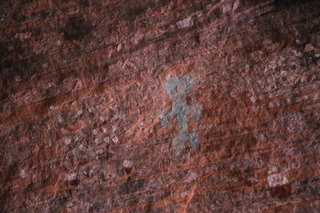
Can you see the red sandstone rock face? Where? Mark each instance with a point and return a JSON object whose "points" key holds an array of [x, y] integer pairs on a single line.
{"points": [[159, 106]]}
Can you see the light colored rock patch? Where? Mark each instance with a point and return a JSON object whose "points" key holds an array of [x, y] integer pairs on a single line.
{"points": [[277, 180], [187, 22]]}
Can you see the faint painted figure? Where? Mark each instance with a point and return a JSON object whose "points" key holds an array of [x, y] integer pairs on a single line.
{"points": [[177, 89]]}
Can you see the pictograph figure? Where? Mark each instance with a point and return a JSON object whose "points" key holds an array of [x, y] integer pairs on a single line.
{"points": [[177, 89]]}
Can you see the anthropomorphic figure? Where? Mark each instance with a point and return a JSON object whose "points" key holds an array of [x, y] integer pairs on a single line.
{"points": [[177, 89]]}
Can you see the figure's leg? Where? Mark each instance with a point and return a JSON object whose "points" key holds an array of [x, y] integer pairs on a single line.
{"points": [[193, 140], [177, 146]]}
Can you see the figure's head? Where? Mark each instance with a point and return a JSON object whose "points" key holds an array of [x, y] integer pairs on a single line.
{"points": [[178, 86]]}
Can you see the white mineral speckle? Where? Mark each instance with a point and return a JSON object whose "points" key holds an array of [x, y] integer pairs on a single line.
{"points": [[53, 107], [115, 140], [106, 139], [100, 150], [71, 176], [82, 148], [119, 47], [23, 173], [60, 120], [253, 99], [97, 141], [255, 108], [67, 141], [199, 14], [226, 8], [69, 204], [273, 170], [127, 163], [187, 22], [129, 132]]}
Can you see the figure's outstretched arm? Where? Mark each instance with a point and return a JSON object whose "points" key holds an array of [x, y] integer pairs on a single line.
{"points": [[195, 111]]}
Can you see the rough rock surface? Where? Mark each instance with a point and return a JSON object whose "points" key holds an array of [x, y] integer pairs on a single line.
{"points": [[160, 106]]}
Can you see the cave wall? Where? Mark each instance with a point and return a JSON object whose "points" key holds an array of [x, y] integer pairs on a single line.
{"points": [[159, 106]]}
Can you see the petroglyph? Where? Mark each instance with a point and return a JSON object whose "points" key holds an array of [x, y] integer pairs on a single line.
{"points": [[177, 89]]}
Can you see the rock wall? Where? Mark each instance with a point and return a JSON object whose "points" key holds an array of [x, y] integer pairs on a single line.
{"points": [[159, 106]]}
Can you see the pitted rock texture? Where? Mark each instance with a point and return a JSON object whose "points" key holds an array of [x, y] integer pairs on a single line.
{"points": [[81, 100]]}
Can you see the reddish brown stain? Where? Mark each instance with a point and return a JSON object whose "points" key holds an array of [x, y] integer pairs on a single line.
{"points": [[74, 182], [281, 191]]}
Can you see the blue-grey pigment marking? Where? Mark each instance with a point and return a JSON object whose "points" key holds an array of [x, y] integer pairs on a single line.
{"points": [[177, 89]]}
